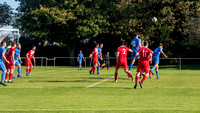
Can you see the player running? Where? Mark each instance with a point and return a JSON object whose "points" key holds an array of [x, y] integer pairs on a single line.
{"points": [[106, 62], [10, 53], [28, 62], [100, 57], [94, 59], [143, 64], [156, 57], [136, 43], [122, 60], [79, 59], [18, 61], [2, 65]]}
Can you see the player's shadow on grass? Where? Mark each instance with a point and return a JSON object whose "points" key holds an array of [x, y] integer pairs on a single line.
{"points": [[65, 81]]}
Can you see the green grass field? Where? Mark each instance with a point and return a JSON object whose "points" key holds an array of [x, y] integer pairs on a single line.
{"points": [[63, 89]]}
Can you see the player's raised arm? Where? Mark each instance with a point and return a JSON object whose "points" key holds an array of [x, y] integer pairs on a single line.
{"points": [[163, 53]]}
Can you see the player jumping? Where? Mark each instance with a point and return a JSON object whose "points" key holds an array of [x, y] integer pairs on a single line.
{"points": [[94, 59], [122, 60], [79, 59], [136, 43], [28, 62], [18, 61], [143, 64], [100, 57], [2, 65], [10, 53], [156, 57]]}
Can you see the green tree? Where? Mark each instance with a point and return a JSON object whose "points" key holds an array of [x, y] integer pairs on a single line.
{"points": [[64, 22], [5, 14]]}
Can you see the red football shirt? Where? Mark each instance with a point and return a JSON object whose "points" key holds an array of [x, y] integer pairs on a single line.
{"points": [[144, 54], [95, 52], [31, 54], [122, 51], [9, 53]]}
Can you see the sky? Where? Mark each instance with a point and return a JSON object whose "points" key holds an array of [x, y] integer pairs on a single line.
{"points": [[14, 5]]}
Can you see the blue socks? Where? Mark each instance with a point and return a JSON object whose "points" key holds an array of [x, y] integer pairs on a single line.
{"points": [[3, 77], [157, 74], [13, 72], [154, 67], [130, 67], [98, 67], [19, 71]]}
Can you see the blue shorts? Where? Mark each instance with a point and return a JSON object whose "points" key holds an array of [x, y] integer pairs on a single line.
{"points": [[80, 62], [156, 60], [133, 55], [17, 62], [2, 66]]}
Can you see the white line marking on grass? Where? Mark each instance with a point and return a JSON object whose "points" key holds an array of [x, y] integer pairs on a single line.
{"points": [[117, 109], [102, 81], [99, 82]]}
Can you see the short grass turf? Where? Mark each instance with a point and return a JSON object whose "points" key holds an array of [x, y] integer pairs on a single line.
{"points": [[63, 89]]}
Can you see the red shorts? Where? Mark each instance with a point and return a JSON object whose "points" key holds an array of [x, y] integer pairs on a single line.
{"points": [[122, 63], [28, 63], [95, 61], [11, 65], [143, 67]]}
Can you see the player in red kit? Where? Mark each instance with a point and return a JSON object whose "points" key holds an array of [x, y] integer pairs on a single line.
{"points": [[94, 59], [28, 62], [122, 60], [10, 65], [143, 64]]}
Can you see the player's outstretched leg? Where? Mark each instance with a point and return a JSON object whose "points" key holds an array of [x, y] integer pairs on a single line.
{"points": [[129, 74], [142, 81], [98, 67], [19, 71], [7, 74], [2, 78], [27, 71], [136, 79]]}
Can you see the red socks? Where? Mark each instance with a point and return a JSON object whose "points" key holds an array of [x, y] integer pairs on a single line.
{"points": [[144, 78], [27, 70], [149, 73], [129, 74], [10, 77], [93, 70], [7, 74], [116, 74], [30, 70], [136, 79]]}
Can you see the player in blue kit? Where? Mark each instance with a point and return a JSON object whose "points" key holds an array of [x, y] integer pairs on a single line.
{"points": [[136, 43], [156, 56], [79, 60], [2, 65], [18, 60], [100, 57]]}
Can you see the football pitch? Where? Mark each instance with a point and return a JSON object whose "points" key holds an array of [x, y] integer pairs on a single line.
{"points": [[65, 89]]}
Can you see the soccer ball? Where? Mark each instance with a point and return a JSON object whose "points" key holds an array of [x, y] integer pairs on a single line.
{"points": [[154, 19]]}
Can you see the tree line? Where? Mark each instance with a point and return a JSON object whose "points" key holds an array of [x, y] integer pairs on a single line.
{"points": [[67, 23]]}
